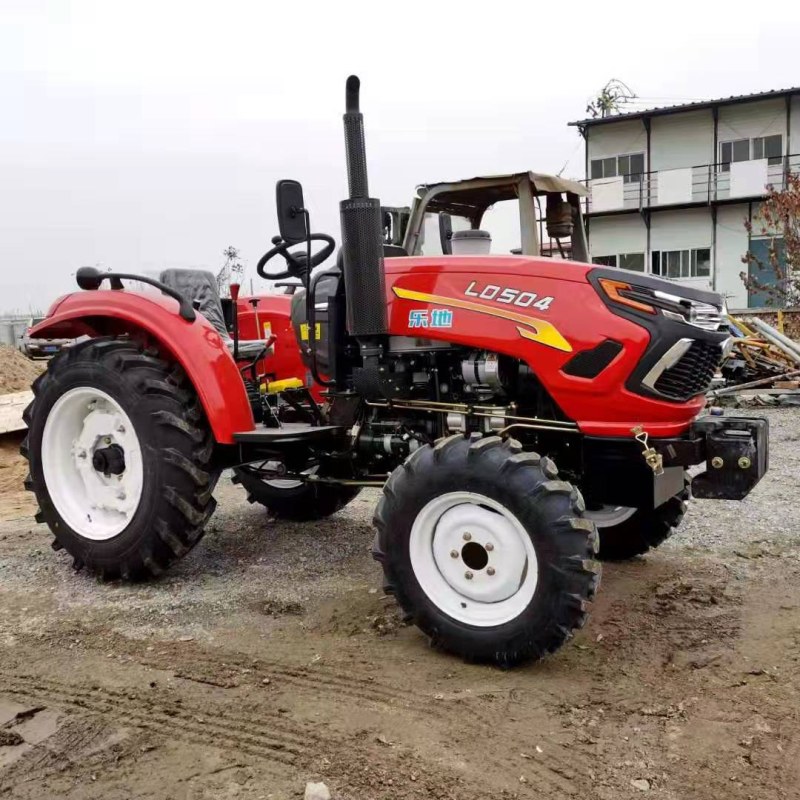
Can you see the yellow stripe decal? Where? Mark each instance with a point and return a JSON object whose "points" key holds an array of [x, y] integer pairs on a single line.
{"points": [[543, 332]]}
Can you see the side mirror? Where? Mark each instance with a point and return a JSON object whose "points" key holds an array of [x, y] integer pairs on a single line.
{"points": [[292, 217]]}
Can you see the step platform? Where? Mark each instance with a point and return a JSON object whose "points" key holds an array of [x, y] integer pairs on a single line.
{"points": [[290, 433]]}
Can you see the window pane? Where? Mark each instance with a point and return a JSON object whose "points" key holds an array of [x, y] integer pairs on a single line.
{"points": [[725, 150], [634, 261], [597, 168], [671, 262], [623, 164], [758, 148], [610, 167], [773, 148], [656, 263], [606, 261], [741, 150], [701, 262], [637, 163]]}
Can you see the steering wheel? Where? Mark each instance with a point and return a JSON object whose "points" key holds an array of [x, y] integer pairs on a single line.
{"points": [[296, 262]]}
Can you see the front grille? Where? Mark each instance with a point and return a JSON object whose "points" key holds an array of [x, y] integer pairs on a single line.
{"points": [[693, 372]]}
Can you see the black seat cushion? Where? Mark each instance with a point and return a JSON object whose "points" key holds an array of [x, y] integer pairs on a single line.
{"points": [[200, 287]]}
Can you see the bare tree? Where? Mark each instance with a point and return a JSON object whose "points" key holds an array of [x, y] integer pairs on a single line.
{"points": [[232, 269], [777, 220], [611, 98]]}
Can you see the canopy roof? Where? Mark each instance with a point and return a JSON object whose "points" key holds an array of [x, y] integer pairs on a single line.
{"points": [[463, 198]]}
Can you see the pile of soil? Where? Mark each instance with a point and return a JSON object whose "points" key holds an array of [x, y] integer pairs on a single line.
{"points": [[13, 470], [17, 372]]}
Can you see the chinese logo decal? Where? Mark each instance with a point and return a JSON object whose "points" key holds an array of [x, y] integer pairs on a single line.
{"points": [[435, 318]]}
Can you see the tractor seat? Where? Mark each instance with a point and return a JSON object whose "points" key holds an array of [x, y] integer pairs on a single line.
{"points": [[200, 288]]}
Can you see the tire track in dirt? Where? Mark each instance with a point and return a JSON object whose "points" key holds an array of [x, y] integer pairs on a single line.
{"points": [[347, 681], [278, 740], [76, 743], [330, 682], [559, 769]]}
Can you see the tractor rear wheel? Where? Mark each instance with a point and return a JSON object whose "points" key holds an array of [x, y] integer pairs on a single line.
{"points": [[485, 550], [292, 499], [120, 457], [629, 532]]}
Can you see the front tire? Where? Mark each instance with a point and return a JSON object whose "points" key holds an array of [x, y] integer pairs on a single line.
{"points": [[485, 550], [294, 500], [627, 533], [120, 457]]}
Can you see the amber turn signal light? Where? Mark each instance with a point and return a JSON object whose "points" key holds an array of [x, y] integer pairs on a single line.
{"points": [[615, 290]]}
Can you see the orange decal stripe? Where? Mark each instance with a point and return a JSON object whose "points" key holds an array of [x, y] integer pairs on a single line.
{"points": [[543, 332]]}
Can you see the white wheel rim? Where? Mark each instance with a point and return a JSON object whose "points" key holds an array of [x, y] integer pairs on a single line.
{"points": [[95, 505], [609, 516], [473, 559], [284, 483], [288, 483]]}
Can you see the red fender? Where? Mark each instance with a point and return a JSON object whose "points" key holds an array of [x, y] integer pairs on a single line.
{"points": [[196, 346]]}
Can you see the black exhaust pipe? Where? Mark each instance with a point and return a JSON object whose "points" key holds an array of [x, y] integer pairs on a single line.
{"points": [[362, 236]]}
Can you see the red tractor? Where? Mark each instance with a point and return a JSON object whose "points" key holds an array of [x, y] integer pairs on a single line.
{"points": [[509, 406]]}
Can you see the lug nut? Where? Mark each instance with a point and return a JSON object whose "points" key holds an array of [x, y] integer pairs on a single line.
{"points": [[717, 462], [468, 576], [82, 454], [490, 571], [454, 553], [467, 536], [744, 462], [121, 429], [489, 546], [120, 495], [106, 440]]}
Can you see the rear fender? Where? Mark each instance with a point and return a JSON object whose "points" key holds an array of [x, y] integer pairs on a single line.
{"points": [[196, 346]]}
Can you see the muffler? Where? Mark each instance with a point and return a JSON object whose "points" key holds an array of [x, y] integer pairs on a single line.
{"points": [[362, 238]]}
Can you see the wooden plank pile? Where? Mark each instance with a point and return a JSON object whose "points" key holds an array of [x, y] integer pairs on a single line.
{"points": [[11, 408]]}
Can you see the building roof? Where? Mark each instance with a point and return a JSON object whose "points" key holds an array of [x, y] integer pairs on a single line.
{"points": [[699, 104]]}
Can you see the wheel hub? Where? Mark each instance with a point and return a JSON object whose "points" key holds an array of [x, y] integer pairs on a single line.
{"points": [[491, 559], [473, 558], [109, 460], [92, 462]]}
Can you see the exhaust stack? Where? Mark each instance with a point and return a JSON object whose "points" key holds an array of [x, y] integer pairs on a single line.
{"points": [[362, 242]]}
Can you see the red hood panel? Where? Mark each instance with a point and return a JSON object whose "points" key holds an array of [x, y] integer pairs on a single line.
{"points": [[542, 311]]}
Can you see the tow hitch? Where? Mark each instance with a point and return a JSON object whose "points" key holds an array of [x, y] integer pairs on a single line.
{"points": [[736, 454]]}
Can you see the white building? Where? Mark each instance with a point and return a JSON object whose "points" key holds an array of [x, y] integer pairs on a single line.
{"points": [[671, 188]]}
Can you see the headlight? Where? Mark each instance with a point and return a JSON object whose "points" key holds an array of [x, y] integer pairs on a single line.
{"points": [[654, 301]]}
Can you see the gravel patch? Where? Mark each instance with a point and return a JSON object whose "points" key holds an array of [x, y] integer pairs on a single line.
{"points": [[768, 516]]}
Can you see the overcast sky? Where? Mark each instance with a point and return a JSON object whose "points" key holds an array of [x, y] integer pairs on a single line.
{"points": [[150, 134]]}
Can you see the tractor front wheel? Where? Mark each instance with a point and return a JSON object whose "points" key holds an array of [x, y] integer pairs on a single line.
{"points": [[629, 532], [120, 457], [485, 550], [292, 499]]}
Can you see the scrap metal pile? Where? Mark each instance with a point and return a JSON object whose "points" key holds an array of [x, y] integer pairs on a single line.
{"points": [[762, 358]]}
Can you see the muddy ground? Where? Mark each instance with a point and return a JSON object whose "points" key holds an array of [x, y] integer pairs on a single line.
{"points": [[268, 657]]}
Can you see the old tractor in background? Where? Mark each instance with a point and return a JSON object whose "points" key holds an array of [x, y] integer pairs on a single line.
{"points": [[507, 406]]}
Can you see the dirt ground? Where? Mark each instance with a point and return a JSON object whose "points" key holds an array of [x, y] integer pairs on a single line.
{"points": [[268, 658], [16, 371]]}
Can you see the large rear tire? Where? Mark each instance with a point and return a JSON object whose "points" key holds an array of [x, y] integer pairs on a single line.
{"points": [[120, 457], [627, 533], [485, 550], [294, 500]]}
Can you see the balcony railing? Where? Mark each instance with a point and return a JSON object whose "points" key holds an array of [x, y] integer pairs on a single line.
{"points": [[707, 183]]}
